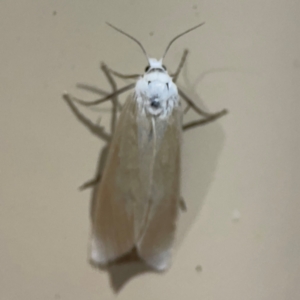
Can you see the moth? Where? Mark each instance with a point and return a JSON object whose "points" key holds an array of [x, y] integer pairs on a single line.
{"points": [[138, 197]]}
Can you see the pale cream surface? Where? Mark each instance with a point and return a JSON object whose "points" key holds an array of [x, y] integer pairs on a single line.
{"points": [[240, 236]]}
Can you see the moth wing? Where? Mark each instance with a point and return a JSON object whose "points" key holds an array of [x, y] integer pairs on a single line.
{"points": [[158, 234], [113, 216]]}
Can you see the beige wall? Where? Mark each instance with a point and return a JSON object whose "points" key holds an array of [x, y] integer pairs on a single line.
{"points": [[246, 58]]}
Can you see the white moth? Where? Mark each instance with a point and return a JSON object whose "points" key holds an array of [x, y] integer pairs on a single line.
{"points": [[137, 200]]}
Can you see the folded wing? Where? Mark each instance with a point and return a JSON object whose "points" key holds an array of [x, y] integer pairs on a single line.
{"points": [[113, 215], [157, 233]]}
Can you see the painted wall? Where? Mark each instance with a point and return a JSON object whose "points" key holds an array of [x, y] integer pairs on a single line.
{"points": [[240, 236]]}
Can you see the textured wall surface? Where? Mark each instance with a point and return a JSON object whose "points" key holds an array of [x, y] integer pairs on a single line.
{"points": [[240, 236]]}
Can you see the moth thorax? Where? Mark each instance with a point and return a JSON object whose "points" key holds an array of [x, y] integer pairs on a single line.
{"points": [[157, 95]]}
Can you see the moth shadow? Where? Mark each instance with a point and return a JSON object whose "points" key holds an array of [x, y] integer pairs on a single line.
{"points": [[124, 269]]}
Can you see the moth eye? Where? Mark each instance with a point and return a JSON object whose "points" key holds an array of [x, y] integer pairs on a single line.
{"points": [[147, 68], [164, 67], [149, 82]]}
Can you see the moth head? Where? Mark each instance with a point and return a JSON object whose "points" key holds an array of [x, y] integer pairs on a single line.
{"points": [[155, 65], [156, 89]]}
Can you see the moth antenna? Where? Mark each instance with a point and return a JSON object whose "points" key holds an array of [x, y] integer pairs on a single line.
{"points": [[131, 37], [178, 36]]}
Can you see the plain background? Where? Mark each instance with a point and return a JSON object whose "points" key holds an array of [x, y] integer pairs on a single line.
{"points": [[246, 58]]}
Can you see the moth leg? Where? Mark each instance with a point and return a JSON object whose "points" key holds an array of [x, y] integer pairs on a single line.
{"points": [[190, 103], [188, 107], [115, 103], [181, 63], [90, 183], [106, 98], [100, 167], [182, 204], [113, 84], [197, 109], [95, 129], [123, 76], [114, 99], [209, 119], [92, 89]]}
